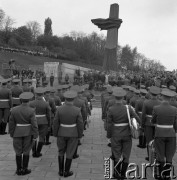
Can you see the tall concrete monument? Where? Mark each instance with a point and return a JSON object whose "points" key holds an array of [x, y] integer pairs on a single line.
{"points": [[112, 25]]}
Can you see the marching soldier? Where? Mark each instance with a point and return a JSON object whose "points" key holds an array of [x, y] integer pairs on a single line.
{"points": [[148, 106], [52, 113], [119, 132], [23, 129], [165, 118], [16, 91], [138, 110], [80, 103], [43, 117], [68, 128], [5, 106]]}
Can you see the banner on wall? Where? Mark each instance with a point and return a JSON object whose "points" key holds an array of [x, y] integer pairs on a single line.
{"points": [[51, 67]]}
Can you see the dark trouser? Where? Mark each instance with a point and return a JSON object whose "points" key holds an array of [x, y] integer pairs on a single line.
{"points": [[4, 114], [165, 148], [149, 133], [43, 130], [67, 145], [22, 145], [121, 146]]}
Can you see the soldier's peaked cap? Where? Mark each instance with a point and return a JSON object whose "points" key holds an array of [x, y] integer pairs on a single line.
{"points": [[70, 94], [52, 90], [47, 89], [154, 90], [16, 80], [172, 87], [119, 92], [168, 93], [26, 95], [4, 81], [143, 91], [65, 86], [39, 90]]}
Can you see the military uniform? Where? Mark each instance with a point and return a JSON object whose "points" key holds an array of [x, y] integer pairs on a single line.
{"points": [[16, 91], [43, 117], [165, 118], [119, 132], [5, 105], [68, 127], [23, 129], [52, 105], [148, 105]]}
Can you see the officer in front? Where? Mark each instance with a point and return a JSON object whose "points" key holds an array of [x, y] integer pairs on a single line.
{"points": [[119, 132], [165, 119], [24, 130], [68, 128]]}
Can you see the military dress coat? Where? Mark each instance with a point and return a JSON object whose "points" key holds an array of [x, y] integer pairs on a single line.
{"points": [[23, 128], [68, 128], [165, 119]]}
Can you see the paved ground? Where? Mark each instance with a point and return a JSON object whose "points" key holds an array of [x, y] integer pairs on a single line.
{"points": [[89, 166]]}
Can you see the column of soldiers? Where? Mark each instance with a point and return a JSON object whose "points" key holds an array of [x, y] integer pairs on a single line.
{"points": [[156, 113], [35, 114]]}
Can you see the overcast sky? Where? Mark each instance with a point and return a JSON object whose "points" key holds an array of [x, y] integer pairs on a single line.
{"points": [[149, 25]]}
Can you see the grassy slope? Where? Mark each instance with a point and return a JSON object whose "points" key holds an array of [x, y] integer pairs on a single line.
{"points": [[26, 60]]}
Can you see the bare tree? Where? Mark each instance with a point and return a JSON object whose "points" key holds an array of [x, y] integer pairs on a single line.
{"points": [[2, 15], [8, 23], [35, 29]]}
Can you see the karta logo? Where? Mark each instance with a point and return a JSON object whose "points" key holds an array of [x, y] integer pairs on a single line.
{"points": [[133, 170]]}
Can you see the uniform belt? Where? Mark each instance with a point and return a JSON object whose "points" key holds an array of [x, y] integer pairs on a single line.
{"points": [[68, 125], [15, 98], [149, 116], [4, 99], [40, 115], [121, 124], [139, 112], [164, 126], [23, 124]]}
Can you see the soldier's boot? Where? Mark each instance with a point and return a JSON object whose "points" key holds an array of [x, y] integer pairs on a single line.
{"points": [[47, 139], [4, 128], [34, 149], [147, 158], [124, 170], [85, 123], [25, 165], [79, 142], [75, 156], [67, 171], [51, 131], [61, 165], [39, 148], [19, 165]]}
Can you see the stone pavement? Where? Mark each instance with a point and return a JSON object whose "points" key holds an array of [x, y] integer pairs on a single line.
{"points": [[89, 166]]}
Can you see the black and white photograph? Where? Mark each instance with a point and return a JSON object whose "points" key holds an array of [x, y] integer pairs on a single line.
{"points": [[88, 89]]}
